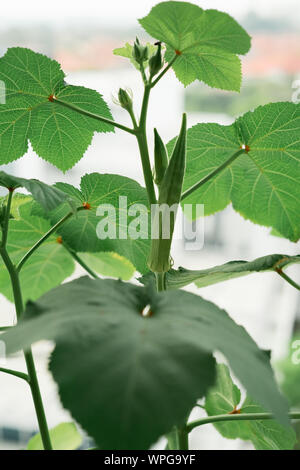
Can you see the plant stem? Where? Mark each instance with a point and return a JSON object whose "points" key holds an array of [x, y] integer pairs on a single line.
{"points": [[164, 71], [287, 278], [17, 293], [33, 381], [236, 417], [6, 221], [81, 262], [160, 281], [143, 147], [178, 439], [94, 116], [44, 238], [182, 438], [142, 70], [15, 373], [212, 174]]}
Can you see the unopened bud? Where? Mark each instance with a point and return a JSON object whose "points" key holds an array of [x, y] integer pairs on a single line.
{"points": [[125, 100], [155, 61], [140, 53]]}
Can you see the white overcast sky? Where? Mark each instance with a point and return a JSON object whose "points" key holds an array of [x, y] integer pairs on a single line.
{"points": [[114, 12]]}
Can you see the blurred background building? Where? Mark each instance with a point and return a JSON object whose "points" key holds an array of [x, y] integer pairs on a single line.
{"points": [[81, 36]]}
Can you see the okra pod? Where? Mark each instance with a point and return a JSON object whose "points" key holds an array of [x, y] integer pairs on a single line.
{"points": [[164, 216], [161, 160]]}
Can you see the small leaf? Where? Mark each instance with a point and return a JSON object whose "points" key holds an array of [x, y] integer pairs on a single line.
{"points": [[65, 436], [268, 434], [47, 196], [175, 279], [58, 134], [206, 43], [225, 397], [144, 372]]}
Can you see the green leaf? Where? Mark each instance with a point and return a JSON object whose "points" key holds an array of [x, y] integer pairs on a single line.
{"points": [[17, 201], [126, 51], [289, 372], [65, 436], [144, 372], [225, 397], [262, 184], [46, 268], [58, 135], [267, 184], [176, 279], [206, 43], [268, 434], [80, 232], [47, 196], [109, 264]]}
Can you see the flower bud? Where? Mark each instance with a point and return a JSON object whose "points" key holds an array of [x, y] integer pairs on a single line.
{"points": [[139, 52], [125, 100], [155, 61]]}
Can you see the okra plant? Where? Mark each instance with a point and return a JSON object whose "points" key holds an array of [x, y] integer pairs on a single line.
{"points": [[133, 359]]}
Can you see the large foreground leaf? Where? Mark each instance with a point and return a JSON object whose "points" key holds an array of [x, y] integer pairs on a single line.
{"points": [[263, 183], [46, 268], [206, 43], [225, 398], [80, 232], [130, 378], [57, 134], [175, 279]]}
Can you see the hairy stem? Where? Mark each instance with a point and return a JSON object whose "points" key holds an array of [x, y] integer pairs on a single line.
{"points": [[94, 116], [212, 174], [236, 417]]}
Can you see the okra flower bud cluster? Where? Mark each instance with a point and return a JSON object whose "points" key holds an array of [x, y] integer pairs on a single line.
{"points": [[140, 53]]}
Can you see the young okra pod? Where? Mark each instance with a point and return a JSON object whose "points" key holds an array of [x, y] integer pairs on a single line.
{"points": [[161, 160], [164, 214], [156, 61]]}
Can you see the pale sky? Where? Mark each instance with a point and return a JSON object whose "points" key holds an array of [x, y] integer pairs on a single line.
{"points": [[120, 11]]}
